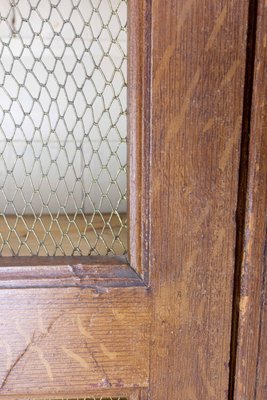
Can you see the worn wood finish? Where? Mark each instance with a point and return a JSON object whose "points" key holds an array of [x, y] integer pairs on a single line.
{"points": [[87, 326], [103, 394], [73, 340], [198, 56], [261, 382], [81, 272], [251, 362], [139, 15], [61, 340]]}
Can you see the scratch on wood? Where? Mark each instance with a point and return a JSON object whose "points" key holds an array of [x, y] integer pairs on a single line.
{"points": [[15, 363], [77, 272], [100, 367]]}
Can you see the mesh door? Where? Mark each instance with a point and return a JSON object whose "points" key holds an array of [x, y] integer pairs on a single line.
{"points": [[62, 127]]}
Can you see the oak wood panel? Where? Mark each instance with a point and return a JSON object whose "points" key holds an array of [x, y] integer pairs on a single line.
{"points": [[103, 394], [198, 69], [252, 321], [261, 383], [60, 340], [95, 271], [139, 15]]}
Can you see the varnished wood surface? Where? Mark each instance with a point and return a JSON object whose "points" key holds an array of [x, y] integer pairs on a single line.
{"points": [[251, 361], [261, 382], [170, 340], [102, 394], [95, 272], [139, 42], [198, 68], [71, 340]]}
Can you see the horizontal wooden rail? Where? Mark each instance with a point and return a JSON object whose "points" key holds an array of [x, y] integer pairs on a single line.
{"points": [[94, 272]]}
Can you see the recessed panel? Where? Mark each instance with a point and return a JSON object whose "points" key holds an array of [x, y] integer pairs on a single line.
{"points": [[68, 340], [63, 127]]}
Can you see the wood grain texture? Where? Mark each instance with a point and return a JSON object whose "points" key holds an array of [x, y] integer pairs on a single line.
{"points": [[103, 394], [139, 14], [198, 69], [57, 341], [261, 383], [251, 362], [95, 272]]}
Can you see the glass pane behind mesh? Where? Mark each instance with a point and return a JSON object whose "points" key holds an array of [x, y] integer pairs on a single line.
{"points": [[63, 127]]}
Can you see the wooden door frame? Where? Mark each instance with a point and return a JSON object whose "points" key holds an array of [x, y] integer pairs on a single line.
{"points": [[199, 55], [186, 76], [109, 271], [249, 345]]}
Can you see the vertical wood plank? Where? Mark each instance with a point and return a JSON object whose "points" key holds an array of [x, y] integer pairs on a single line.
{"points": [[261, 383], [251, 361], [138, 146], [198, 63]]}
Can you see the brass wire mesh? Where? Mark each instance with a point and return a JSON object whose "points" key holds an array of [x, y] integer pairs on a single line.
{"points": [[63, 127]]}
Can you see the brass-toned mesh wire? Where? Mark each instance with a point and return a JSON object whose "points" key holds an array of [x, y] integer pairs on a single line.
{"points": [[63, 127]]}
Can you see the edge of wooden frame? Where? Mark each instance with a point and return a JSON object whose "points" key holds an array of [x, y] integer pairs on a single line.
{"points": [[85, 272], [139, 45], [128, 393], [248, 335], [109, 271]]}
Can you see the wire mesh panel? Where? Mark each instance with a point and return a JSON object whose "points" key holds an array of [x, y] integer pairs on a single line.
{"points": [[63, 127]]}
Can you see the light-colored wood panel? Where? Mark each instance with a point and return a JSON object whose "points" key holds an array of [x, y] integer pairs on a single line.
{"points": [[60, 340], [197, 84]]}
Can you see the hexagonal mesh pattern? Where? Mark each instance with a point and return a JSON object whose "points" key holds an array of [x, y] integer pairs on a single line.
{"points": [[63, 127]]}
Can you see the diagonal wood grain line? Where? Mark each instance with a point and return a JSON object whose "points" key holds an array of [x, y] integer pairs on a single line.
{"points": [[217, 27], [165, 60], [15, 363], [178, 120]]}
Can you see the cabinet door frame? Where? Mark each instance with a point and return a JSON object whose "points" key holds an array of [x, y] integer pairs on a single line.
{"points": [[186, 77], [109, 271]]}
